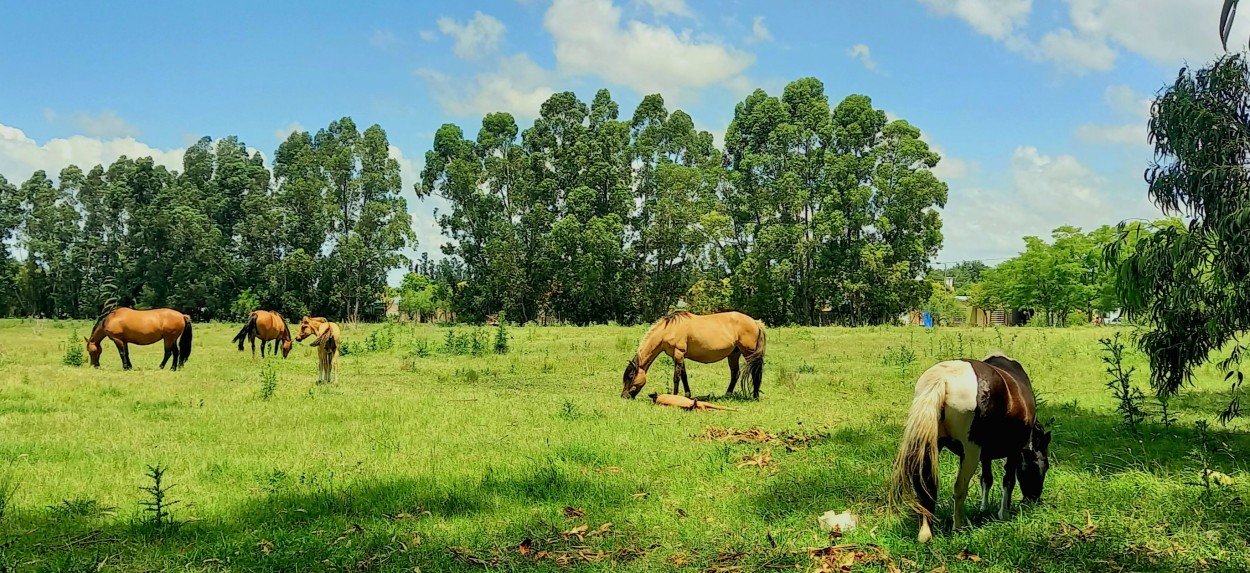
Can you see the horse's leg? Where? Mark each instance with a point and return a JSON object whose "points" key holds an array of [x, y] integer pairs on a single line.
{"points": [[263, 344], [679, 370], [967, 466], [685, 381], [926, 495], [122, 353], [168, 352], [1009, 484], [987, 482], [733, 370], [252, 339], [757, 375]]}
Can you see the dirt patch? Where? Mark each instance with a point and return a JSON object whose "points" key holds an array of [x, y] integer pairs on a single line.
{"points": [[757, 435]]}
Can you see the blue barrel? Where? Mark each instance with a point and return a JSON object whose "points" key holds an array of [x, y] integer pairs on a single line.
{"points": [[928, 319]]}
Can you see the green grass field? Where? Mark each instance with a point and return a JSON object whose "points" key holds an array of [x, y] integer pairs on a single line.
{"points": [[450, 463]]}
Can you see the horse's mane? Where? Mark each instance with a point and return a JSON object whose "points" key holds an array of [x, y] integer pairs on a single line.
{"points": [[660, 323], [100, 321]]}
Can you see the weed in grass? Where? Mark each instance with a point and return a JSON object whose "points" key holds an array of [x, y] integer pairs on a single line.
{"points": [[787, 379], [569, 411], [501, 335], [73, 351], [156, 507], [1130, 398], [901, 358], [8, 489], [268, 381], [78, 507], [806, 368]]}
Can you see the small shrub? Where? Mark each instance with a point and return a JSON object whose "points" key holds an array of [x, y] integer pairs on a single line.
{"points": [[501, 336], [469, 375], [1166, 417], [73, 351], [421, 348], [806, 368], [158, 503], [477, 342], [1130, 397], [77, 507], [268, 382], [382, 339], [455, 344]]}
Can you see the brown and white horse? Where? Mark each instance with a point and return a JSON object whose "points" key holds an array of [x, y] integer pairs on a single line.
{"points": [[981, 410]]}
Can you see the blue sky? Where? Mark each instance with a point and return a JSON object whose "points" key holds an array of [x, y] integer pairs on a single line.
{"points": [[1038, 108]]}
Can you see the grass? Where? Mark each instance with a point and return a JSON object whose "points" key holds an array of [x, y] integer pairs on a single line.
{"points": [[440, 461]]}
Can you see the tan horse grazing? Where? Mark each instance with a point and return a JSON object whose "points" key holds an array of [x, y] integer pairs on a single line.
{"points": [[129, 326], [703, 338], [327, 343], [265, 325]]}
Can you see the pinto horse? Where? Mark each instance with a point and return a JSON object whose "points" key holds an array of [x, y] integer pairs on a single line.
{"points": [[327, 343], [981, 410], [265, 325], [126, 326], [703, 338]]}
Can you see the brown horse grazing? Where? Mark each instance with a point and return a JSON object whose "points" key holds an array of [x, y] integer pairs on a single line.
{"points": [[980, 410], [129, 326], [327, 343], [265, 325], [703, 338]]}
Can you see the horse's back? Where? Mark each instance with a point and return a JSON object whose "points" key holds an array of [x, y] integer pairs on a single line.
{"points": [[1005, 405], [144, 326]]}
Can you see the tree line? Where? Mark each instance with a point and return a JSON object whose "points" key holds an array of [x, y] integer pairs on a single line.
{"points": [[1067, 280], [809, 212], [317, 234]]}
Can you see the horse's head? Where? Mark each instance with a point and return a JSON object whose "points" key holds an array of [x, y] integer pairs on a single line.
{"points": [[286, 347], [1034, 463], [93, 350], [308, 327], [635, 378]]}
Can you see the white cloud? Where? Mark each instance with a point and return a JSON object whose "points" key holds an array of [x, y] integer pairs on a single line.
{"points": [[998, 19], [476, 38], [383, 39], [106, 124], [862, 53], [669, 7], [1124, 99], [591, 39], [20, 156], [1166, 32], [1075, 53], [1123, 134], [428, 35], [517, 86], [1044, 192], [759, 32], [282, 133]]}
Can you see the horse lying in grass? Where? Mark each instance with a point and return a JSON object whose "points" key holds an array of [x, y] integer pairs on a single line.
{"points": [[981, 410], [703, 338], [125, 326], [327, 341], [265, 325]]}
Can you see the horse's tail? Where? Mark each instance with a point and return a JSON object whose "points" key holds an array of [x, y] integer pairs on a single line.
{"points": [[184, 343], [755, 360], [249, 326], [915, 475]]}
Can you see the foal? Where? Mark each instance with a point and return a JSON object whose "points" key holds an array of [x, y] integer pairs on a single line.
{"points": [[981, 410]]}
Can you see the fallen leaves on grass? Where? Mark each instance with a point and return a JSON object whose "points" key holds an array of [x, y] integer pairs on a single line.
{"points": [[965, 555], [757, 435], [1070, 535], [265, 546], [759, 460], [573, 512], [843, 558]]}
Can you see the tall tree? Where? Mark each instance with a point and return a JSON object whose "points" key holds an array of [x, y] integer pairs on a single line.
{"points": [[1192, 285]]}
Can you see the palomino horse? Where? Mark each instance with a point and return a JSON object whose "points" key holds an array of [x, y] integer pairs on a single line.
{"points": [[703, 338], [981, 411], [129, 326], [265, 325], [327, 343]]}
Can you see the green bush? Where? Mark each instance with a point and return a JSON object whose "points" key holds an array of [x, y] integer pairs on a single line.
{"points": [[73, 351]]}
